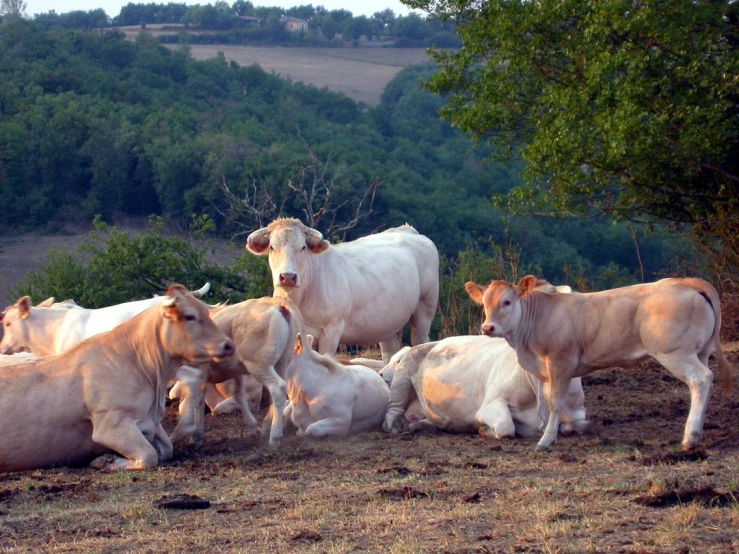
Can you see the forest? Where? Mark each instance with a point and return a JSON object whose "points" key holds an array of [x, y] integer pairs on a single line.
{"points": [[94, 124], [244, 23]]}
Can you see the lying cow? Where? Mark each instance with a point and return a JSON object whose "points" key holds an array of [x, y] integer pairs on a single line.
{"points": [[263, 330], [359, 292], [331, 398], [49, 329], [107, 394], [559, 337], [468, 384]]}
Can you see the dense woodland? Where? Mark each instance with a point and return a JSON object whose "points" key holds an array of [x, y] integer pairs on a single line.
{"points": [[91, 123], [243, 23]]}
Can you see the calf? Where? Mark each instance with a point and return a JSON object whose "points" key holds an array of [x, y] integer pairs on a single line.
{"points": [[331, 398], [559, 337]]}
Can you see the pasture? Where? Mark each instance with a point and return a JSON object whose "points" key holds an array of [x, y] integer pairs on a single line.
{"points": [[360, 73], [624, 488]]}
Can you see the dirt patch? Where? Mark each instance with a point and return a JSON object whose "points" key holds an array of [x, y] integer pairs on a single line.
{"points": [[431, 492], [705, 496], [671, 458]]}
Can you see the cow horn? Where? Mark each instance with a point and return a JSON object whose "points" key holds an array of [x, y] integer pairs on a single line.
{"points": [[168, 301], [258, 241], [201, 291], [312, 237]]}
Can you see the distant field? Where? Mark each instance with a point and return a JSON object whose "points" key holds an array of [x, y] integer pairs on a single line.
{"points": [[360, 73]]}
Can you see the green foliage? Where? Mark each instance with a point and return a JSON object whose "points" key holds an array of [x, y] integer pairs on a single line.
{"points": [[116, 266], [615, 107]]}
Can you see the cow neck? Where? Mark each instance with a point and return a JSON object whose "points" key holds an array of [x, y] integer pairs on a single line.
{"points": [[42, 332], [523, 335], [139, 340]]}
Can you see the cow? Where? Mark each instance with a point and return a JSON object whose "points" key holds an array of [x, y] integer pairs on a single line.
{"points": [[263, 330], [360, 292], [49, 329], [331, 398], [558, 337], [472, 384], [104, 399]]}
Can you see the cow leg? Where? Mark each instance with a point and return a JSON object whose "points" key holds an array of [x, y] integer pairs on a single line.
{"points": [[699, 379], [214, 397], [191, 423], [122, 435], [162, 444], [336, 425], [422, 319], [558, 395], [389, 347], [242, 401], [402, 394], [495, 420], [278, 394]]}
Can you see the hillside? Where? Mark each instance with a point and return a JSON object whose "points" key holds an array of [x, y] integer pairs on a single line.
{"points": [[360, 73]]}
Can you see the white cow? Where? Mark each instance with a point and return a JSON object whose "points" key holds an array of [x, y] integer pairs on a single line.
{"points": [[472, 383], [105, 397], [44, 330], [331, 398], [559, 337], [360, 292]]}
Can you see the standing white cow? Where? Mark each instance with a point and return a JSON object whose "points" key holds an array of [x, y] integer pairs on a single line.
{"points": [[360, 292], [472, 383], [559, 337], [263, 330], [331, 398]]}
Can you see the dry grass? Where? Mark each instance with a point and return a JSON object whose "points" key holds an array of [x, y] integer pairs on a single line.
{"points": [[407, 494]]}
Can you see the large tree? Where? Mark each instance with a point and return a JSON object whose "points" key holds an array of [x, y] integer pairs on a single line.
{"points": [[13, 8], [628, 107]]}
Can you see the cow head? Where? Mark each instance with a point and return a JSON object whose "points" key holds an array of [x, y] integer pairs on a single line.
{"points": [[501, 301], [188, 332], [388, 372], [288, 243], [15, 328]]}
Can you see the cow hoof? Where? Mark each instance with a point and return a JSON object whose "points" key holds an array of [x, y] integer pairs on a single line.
{"points": [[541, 448], [106, 462]]}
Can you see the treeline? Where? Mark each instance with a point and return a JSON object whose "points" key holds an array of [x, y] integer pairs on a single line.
{"points": [[243, 23], [91, 123]]}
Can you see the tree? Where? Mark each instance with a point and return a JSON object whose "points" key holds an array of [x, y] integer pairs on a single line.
{"points": [[621, 107], [12, 9]]}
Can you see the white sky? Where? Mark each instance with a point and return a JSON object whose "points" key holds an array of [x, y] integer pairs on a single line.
{"points": [[113, 7]]}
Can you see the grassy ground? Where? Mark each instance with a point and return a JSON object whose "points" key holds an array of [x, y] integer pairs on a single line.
{"points": [[621, 489]]}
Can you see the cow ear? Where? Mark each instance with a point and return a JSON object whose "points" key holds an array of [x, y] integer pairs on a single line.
{"points": [[169, 308], [258, 242], [46, 303], [24, 307], [298, 344], [310, 341], [526, 285], [475, 291], [314, 241]]}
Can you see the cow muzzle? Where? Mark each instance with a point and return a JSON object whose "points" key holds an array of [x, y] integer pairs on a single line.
{"points": [[288, 279], [489, 329]]}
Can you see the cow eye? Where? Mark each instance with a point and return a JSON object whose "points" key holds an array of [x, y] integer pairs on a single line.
{"points": [[303, 249], [506, 302], [271, 248], [190, 317], [7, 324]]}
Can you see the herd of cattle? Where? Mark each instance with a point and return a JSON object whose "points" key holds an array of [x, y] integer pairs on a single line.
{"points": [[80, 384]]}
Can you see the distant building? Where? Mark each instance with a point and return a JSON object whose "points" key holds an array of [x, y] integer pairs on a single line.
{"points": [[249, 20], [294, 24]]}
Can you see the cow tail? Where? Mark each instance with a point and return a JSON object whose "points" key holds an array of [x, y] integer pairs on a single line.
{"points": [[295, 325], [725, 368]]}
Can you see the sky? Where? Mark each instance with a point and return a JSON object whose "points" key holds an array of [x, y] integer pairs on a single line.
{"points": [[113, 7]]}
